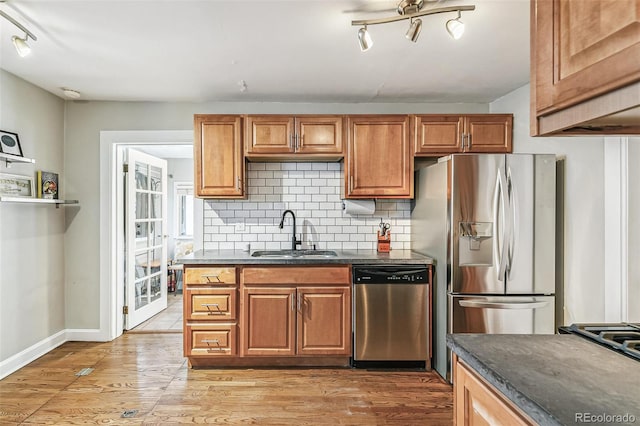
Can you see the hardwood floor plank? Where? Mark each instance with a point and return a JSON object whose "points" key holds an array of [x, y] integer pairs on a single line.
{"points": [[147, 372]]}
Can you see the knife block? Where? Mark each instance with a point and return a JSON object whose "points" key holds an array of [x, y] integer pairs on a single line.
{"points": [[384, 242]]}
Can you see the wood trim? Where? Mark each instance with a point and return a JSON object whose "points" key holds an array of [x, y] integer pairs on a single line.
{"points": [[297, 361], [296, 275]]}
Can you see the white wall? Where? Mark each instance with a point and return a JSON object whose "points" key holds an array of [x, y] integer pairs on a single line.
{"points": [[85, 120], [584, 273], [32, 258], [312, 191]]}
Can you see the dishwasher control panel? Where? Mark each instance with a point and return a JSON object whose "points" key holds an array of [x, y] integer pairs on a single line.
{"points": [[389, 274]]}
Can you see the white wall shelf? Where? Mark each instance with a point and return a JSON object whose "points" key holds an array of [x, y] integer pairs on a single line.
{"points": [[30, 200], [9, 158]]}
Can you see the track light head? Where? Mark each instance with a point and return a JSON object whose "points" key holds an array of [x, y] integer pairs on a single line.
{"points": [[455, 27], [364, 38], [414, 30], [21, 45]]}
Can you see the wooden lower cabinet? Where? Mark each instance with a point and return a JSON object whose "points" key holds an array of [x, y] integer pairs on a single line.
{"points": [[324, 321], [268, 321], [290, 321], [271, 315], [211, 340], [476, 402], [210, 305]]}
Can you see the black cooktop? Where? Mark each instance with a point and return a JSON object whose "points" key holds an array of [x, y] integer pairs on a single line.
{"points": [[622, 337]]}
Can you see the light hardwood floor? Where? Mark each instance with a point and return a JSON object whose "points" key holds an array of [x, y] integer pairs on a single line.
{"points": [[147, 372]]}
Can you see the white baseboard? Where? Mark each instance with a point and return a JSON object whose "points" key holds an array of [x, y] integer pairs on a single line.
{"points": [[86, 335], [32, 353], [35, 351]]}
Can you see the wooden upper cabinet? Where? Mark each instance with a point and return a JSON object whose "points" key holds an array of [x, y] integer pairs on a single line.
{"points": [[580, 52], [278, 135], [488, 133], [438, 134], [218, 160], [450, 133], [270, 134], [378, 161]]}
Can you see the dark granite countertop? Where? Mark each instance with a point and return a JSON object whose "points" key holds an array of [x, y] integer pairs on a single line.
{"points": [[555, 378], [238, 257]]}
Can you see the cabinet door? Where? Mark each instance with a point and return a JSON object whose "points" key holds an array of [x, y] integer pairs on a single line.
{"points": [[438, 134], [270, 134], [581, 49], [319, 134], [478, 403], [379, 162], [324, 321], [268, 321], [219, 165], [489, 133]]}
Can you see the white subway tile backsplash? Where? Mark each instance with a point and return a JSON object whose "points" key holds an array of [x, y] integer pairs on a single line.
{"points": [[312, 191]]}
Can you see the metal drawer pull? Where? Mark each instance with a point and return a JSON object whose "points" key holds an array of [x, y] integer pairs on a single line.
{"points": [[299, 303], [208, 306], [216, 341], [212, 276]]}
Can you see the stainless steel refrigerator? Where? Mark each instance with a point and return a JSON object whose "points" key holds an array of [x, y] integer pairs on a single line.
{"points": [[488, 220]]}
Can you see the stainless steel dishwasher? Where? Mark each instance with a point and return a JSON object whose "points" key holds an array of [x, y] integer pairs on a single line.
{"points": [[391, 314]]}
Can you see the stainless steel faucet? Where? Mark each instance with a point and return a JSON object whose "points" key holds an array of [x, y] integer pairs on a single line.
{"points": [[294, 240]]}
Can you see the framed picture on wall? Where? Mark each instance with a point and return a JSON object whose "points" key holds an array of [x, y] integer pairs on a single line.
{"points": [[9, 143], [47, 184], [16, 185]]}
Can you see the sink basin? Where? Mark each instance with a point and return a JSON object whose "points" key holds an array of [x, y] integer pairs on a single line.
{"points": [[293, 253]]}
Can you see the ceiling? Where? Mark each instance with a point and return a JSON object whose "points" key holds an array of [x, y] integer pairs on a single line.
{"points": [[284, 51]]}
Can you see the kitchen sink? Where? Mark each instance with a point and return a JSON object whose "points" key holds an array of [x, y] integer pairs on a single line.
{"points": [[294, 253]]}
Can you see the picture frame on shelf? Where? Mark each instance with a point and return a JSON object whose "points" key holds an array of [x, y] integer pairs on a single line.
{"points": [[10, 143], [48, 187], [16, 185]]}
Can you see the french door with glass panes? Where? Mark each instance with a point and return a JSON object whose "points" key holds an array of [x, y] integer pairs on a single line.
{"points": [[145, 233]]}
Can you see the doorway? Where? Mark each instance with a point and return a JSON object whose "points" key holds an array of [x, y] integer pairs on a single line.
{"points": [[171, 145]]}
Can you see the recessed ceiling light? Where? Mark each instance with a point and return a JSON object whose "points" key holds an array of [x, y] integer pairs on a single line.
{"points": [[70, 93]]}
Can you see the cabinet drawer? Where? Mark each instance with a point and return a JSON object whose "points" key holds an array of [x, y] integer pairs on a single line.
{"points": [[210, 339], [297, 275], [218, 275], [210, 304]]}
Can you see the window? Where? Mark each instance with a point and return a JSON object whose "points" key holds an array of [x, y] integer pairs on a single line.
{"points": [[184, 209]]}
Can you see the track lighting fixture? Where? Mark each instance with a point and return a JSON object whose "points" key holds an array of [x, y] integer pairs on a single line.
{"points": [[455, 27], [20, 43], [364, 38], [411, 10]]}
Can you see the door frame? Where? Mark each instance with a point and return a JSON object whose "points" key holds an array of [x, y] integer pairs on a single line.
{"points": [[112, 294]]}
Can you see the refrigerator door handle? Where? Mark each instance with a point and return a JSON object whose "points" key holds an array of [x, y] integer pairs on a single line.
{"points": [[513, 219], [503, 305], [499, 210]]}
